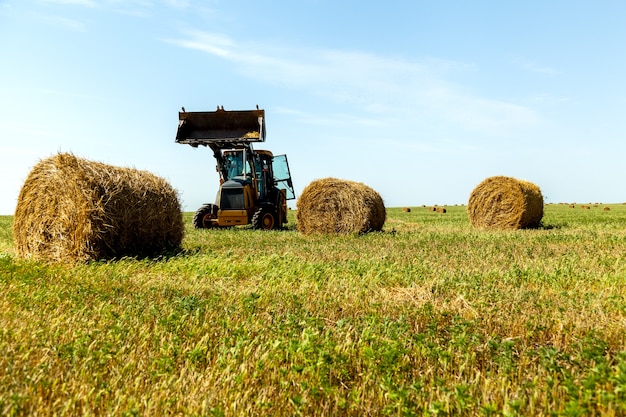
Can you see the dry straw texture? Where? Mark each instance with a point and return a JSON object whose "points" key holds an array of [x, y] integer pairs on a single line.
{"points": [[71, 209], [332, 205], [505, 203]]}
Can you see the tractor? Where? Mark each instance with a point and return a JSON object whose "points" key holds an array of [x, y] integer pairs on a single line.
{"points": [[254, 184]]}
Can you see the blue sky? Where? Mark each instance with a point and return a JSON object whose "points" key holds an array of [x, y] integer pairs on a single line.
{"points": [[420, 100]]}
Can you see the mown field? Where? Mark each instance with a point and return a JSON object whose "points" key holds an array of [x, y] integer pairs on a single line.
{"points": [[429, 317]]}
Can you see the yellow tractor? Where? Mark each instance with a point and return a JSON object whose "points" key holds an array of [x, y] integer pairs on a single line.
{"points": [[254, 184]]}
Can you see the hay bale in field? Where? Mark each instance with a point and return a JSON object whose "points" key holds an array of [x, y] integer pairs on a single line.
{"points": [[441, 210], [607, 209], [406, 209], [332, 205], [505, 203], [71, 209]]}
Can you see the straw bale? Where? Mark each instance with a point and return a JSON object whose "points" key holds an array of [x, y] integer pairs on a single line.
{"points": [[441, 210], [406, 209], [332, 205], [71, 209], [505, 203]]}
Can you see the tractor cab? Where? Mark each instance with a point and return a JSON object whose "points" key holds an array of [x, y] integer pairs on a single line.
{"points": [[266, 171]]}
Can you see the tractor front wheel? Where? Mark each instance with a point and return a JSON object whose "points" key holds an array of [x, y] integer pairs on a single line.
{"points": [[204, 215], [265, 218]]}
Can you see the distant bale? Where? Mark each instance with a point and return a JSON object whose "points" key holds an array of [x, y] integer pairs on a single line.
{"points": [[70, 209], [505, 203], [406, 209], [333, 205], [441, 210], [607, 209]]}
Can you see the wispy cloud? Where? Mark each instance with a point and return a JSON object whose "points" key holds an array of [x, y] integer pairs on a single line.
{"points": [[139, 8], [535, 67], [66, 23], [376, 84], [87, 3], [334, 119], [549, 99], [179, 4], [146, 3], [207, 42]]}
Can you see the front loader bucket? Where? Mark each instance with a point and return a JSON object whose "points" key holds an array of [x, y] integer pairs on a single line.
{"points": [[213, 127]]}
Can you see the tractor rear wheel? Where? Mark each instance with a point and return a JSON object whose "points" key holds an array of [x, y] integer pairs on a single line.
{"points": [[265, 218], [204, 215]]}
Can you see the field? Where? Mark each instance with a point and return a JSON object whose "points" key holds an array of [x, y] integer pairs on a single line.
{"points": [[428, 317]]}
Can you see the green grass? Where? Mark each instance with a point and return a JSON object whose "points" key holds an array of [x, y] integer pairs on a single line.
{"points": [[429, 317]]}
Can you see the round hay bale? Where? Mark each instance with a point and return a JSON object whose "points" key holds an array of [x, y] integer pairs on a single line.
{"points": [[332, 205], [406, 209], [505, 203], [71, 209]]}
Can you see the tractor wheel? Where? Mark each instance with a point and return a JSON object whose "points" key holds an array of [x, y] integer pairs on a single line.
{"points": [[203, 216], [265, 218]]}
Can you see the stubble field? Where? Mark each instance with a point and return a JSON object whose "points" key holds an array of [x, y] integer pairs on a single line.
{"points": [[429, 317]]}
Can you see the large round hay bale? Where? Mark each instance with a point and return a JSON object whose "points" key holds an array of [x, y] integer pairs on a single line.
{"points": [[332, 205], [505, 203], [72, 209]]}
